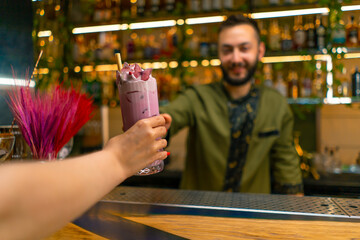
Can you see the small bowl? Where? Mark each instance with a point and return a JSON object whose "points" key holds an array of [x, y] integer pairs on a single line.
{"points": [[7, 142]]}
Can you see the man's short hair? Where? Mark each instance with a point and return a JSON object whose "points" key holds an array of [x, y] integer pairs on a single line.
{"points": [[239, 19]]}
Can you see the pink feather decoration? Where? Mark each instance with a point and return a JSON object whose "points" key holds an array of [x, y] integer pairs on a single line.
{"points": [[48, 120]]}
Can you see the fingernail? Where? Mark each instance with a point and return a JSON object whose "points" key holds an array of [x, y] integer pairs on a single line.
{"points": [[168, 153]]}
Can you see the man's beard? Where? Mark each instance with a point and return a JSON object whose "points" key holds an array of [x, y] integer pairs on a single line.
{"points": [[241, 81]]}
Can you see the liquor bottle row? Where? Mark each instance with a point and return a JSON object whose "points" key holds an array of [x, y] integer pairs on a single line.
{"points": [[281, 2], [108, 10], [312, 84], [100, 48], [102, 86], [201, 41], [145, 45], [310, 35]]}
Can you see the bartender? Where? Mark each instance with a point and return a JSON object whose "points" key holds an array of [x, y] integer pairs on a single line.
{"points": [[240, 135]]}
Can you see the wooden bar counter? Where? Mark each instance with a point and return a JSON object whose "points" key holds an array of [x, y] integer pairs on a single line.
{"points": [[149, 213]]}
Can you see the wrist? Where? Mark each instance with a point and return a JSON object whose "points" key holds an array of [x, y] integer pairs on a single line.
{"points": [[118, 172]]}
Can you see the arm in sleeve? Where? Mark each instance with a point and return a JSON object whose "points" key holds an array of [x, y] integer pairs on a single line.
{"points": [[286, 171], [181, 111]]}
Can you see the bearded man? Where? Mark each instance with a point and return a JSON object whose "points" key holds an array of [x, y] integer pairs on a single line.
{"points": [[240, 135]]}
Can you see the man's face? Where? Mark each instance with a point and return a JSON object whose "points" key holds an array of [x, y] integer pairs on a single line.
{"points": [[239, 52]]}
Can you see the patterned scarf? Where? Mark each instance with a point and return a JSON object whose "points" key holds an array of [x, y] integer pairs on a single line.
{"points": [[242, 113]]}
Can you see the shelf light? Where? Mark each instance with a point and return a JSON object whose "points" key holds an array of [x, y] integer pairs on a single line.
{"points": [[320, 57], [106, 67], [77, 69], [202, 20], [185, 63], [289, 13], [88, 68], [164, 65], [101, 28], [46, 33], [41, 71], [194, 63], [16, 82], [180, 22], [205, 63], [278, 59], [215, 62], [146, 65], [342, 100], [155, 24], [350, 8], [352, 55], [173, 64], [156, 65]]}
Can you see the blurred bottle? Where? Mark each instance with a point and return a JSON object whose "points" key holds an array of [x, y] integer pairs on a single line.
{"points": [[299, 34], [204, 42], [352, 33], [320, 33], [334, 160], [274, 2], [286, 40], [228, 4], [107, 10], [115, 8], [140, 47], [289, 2], [165, 51], [133, 9], [170, 6], [216, 5], [280, 84], [107, 91], [155, 46], [173, 40], [193, 45], [130, 49], [338, 34], [141, 7], [147, 49], [293, 85], [355, 83], [99, 11], [263, 32], [155, 7], [206, 5], [268, 80], [306, 85], [310, 34], [274, 37], [318, 84], [213, 42], [357, 160], [194, 6], [343, 89]]}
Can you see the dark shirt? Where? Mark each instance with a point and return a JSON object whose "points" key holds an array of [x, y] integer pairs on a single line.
{"points": [[242, 113]]}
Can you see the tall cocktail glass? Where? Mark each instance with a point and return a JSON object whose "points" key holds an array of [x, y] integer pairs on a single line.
{"points": [[138, 100]]}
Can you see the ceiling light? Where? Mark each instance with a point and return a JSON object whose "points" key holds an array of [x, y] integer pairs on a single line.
{"points": [[289, 13], [155, 24], [46, 33], [350, 8], [16, 82], [102, 28], [278, 59], [202, 20]]}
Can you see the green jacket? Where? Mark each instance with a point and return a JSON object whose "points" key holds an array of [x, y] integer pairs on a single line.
{"points": [[204, 110]]}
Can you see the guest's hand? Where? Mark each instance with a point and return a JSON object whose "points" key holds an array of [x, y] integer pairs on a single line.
{"points": [[139, 146]]}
